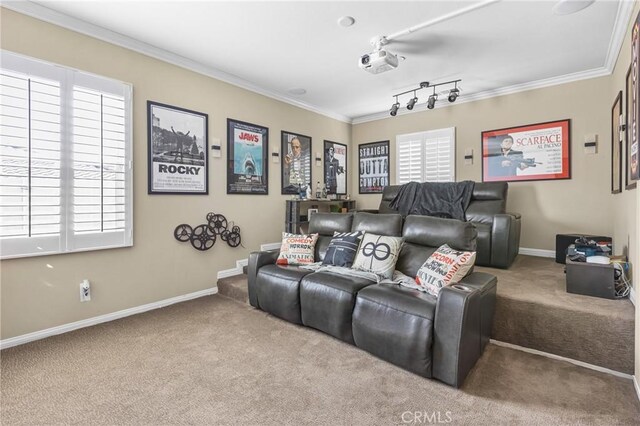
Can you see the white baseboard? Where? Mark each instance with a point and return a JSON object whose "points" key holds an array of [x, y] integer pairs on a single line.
{"points": [[636, 386], [65, 328], [562, 358], [632, 296], [270, 246], [537, 252], [240, 264]]}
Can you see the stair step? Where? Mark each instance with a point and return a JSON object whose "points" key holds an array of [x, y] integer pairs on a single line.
{"points": [[534, 310], [235, 287]]}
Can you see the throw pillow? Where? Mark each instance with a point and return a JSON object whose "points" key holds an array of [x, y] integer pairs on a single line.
{"points": [[378, 254], [343, 248], [445, 266], [297, 249]]}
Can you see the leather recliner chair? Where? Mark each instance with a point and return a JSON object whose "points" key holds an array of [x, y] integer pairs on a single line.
{"points": [[439, 337], [498, 231]]}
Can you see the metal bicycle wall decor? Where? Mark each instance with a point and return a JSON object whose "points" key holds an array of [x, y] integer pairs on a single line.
{"points": [[204, 236]]}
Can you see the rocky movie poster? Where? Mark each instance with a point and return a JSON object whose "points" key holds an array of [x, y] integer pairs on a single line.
{"points": [[177, 150], [531, 152], [247, 146], [374, 167]]}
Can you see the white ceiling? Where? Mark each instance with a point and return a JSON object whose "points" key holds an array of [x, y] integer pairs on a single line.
{"points": [[273, 47]]}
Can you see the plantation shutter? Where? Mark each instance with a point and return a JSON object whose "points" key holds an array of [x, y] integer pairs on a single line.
{"points": [[426, 156], [65, 160]]}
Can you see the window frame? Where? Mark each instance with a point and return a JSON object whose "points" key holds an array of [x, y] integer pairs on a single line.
{"points": [[423, 136], [66, 241]]}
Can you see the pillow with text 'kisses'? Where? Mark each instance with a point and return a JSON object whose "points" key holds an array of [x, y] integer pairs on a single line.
{"points": [[378, 254], [297, 249], [343, 248], [445, 266]]}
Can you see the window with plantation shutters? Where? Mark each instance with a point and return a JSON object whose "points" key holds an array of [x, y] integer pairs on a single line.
{"points": [[65, 159], [426, 156]]}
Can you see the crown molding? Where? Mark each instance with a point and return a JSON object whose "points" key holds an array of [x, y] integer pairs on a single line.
{"points": [[43, 13], [623, 17]]}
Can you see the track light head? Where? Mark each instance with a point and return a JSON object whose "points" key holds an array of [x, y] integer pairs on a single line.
{"points": [[412, 103], [453, 95], [431, 103], [394, 109]]}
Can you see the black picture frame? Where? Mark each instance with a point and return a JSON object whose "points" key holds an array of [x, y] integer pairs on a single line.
{"points": [[335, 167], [628, 120], [295, 170], [545, 147], [247, 158], [174, 168], [634, 125], [374, 167], [616, 145]]}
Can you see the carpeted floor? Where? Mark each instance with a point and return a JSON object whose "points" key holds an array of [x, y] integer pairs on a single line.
{"points": [[534, 310], [216, 361]]}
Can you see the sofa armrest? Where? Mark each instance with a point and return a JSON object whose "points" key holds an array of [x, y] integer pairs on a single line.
{"points": [[505, 239], [376, 211], [257, 260], [462, 326]]}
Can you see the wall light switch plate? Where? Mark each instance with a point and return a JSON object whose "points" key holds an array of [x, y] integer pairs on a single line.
{"points": [[468, 156], [216, 148], [591, 144]]}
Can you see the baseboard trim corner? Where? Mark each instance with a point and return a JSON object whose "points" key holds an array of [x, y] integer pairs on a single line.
{"points": [[65, 328], [537, 252], [636, 386], [238, 270], [270, 246], [240, 264], [562, 358], [632, 296]]}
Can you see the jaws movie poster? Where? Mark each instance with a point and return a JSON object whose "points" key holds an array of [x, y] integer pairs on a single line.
{"points": [[247, 166]]}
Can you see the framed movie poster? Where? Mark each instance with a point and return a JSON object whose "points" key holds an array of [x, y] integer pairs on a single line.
{"points": [[373, 160], [247, 163], [634, 151], [628, 183], [177, 139], [296, 162], [616, 145], [533, 152], [335, 167]]}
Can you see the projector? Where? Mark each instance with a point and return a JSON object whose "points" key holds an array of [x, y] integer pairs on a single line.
{"points": [[378, 61]]}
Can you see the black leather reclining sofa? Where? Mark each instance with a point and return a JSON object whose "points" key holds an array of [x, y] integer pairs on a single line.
{"points": [[498, 231], [434, 337]]}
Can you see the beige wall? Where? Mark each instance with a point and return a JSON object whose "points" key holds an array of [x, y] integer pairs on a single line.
{"points": [[580, 204], [35, 296]]}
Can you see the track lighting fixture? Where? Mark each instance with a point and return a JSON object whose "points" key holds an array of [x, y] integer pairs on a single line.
{"points": [[453, 94], [431, 101], [412, 102], [394, 108]]}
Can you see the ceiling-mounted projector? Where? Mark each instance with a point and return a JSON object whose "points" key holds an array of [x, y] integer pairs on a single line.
{"points": [[378, 61]]}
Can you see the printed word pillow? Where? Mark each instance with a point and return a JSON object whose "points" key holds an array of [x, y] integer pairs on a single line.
{"points": [[378, 254], [445, 266], [297, 249], [343, 248]]}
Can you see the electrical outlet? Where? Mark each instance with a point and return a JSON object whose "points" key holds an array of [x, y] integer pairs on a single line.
{"points": [[85, 291]]}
